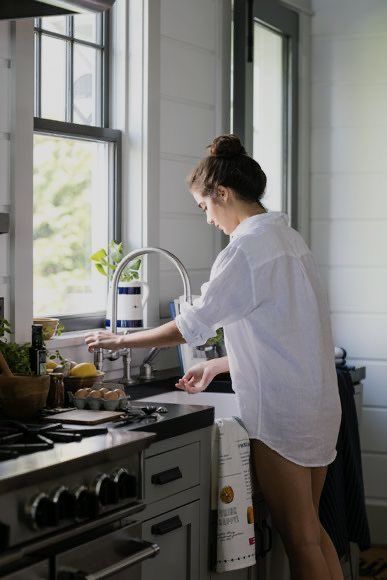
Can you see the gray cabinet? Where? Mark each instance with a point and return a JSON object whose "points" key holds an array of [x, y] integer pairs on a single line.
{"points": [[176, 492], [172, 471], [177, 515], [177, 534]]}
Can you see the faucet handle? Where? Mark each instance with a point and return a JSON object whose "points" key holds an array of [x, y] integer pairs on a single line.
{"points": [[146, 372], [98, 359]]}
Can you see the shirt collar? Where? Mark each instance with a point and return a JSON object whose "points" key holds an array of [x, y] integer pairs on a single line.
{"points": [[251, 223]]}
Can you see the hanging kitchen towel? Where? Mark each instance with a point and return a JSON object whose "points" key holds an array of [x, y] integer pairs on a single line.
{"points": [[342, 506], [231, 496]]}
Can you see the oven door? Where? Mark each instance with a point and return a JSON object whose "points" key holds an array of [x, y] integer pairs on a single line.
{"points": [[40, 571], [116, 554]]}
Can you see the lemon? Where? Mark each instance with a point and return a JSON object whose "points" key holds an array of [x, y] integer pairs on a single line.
{"points": [[50, 364], [84, 370]]}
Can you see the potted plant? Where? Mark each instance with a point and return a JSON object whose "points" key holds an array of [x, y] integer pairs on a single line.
{"points": [[22, 394], [16, 355], [214, 347], [132, 294], [218, 342]]}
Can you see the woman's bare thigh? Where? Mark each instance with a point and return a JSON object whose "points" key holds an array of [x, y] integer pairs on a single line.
{"points": [[287, 488], [318, 480]]}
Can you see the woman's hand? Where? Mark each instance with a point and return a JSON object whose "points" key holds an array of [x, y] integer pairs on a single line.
{"points": [[197, 378], [103, 339]]}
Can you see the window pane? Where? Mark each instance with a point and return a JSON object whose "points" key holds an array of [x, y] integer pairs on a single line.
{"points": [[70, 223], [86, 84], [268, 112], [85, 27], [55, 24], [53, 84]]}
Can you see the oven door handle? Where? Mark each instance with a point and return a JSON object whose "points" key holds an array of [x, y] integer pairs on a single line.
{"points": [[150, 551]]}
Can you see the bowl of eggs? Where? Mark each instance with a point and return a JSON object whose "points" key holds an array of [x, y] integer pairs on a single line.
{"points": [[99, 398]]}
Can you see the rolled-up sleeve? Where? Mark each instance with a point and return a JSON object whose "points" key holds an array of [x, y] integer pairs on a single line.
{"points": [[228, 296]]}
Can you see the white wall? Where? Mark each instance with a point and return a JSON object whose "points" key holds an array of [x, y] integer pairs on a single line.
{"points": [[193, 109], [349, 206], [5, 145]]}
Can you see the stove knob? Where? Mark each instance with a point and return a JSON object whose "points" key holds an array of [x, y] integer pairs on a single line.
{"points": [[86, 503], [41, 512], [65, 503], [126, 483], [105, 489]]}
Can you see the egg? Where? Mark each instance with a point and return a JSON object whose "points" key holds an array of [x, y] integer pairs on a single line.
{"points": [[120, 392], [104, 390], [112, 395], [81, 393], [95, 394], [87, 389]]}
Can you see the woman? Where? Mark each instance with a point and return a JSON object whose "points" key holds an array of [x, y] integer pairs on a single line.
{"points": [[265, 292]]}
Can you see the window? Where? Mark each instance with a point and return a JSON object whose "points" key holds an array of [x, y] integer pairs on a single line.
{"points": [[76, 168], [265, 95]]}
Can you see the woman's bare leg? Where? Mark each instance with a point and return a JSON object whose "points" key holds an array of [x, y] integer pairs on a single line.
{"points": [[287, 489], [327, 547]]}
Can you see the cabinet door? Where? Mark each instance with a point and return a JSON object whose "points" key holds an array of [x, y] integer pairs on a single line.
{"points": [[177, 534]]}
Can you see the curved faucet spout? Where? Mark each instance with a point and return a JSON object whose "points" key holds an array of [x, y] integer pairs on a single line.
{"points": [[132, 256]]}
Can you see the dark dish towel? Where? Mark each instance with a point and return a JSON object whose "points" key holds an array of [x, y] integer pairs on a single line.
{"points": [[342, 506]]}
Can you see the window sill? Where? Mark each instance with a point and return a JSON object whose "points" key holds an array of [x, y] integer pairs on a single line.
{"points": [[77, 337], [74, 338]]}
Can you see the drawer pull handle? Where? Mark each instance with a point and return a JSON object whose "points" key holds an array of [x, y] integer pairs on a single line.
{"points": [[166, 476], [166, 526]]}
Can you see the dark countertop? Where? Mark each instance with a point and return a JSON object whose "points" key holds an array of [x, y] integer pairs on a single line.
{"points": [[180, 419], [118, 442]]}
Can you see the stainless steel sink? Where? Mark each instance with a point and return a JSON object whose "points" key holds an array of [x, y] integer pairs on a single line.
{"points": [[148, 388], [160, 386]]}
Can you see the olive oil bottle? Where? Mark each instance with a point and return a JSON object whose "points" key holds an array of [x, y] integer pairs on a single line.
{"points": [[37, 351]]}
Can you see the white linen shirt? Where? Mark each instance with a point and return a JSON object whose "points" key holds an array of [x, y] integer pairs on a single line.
{"points": [[264, 290]]}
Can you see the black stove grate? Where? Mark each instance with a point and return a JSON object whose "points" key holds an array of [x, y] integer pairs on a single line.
{"points": [[18, 438]]}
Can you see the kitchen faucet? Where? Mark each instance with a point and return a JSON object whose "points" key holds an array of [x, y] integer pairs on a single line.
{"points": [[126, 352], [146, 370]]}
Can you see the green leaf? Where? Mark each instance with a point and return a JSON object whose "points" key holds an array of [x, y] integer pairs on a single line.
{"points": [[101, 269], [106, 262], [99, 255], [136, 264]]}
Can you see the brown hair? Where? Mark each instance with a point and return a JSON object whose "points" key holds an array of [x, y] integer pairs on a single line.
{"points": [[228, 164]]}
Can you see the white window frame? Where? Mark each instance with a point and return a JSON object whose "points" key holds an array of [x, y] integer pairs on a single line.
{"points": [[88, 132]]}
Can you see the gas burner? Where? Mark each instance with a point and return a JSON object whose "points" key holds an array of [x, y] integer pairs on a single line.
{"points": [[17, 438], [137, 414]]}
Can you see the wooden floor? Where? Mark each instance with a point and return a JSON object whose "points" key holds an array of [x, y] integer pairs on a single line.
{"points": [[376, 559]]}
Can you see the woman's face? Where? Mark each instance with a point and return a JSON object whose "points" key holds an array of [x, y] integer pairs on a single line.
{"points": [[218, 209]]}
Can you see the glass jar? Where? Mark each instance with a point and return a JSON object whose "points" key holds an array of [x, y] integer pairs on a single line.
{"points": [[55, 396]]}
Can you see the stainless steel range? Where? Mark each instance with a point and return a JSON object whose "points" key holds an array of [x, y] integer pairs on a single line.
{"points": [[71, 496], [70, 511]]}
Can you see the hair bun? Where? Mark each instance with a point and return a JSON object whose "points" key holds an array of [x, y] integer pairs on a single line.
{"points": [[226, 146]]}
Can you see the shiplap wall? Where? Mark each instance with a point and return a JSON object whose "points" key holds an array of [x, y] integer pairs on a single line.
{"points": [[190, 72], [5, 130], [349, 207]]}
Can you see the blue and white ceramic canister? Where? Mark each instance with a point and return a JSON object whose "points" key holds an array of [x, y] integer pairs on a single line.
{"points": [[131, 299]]}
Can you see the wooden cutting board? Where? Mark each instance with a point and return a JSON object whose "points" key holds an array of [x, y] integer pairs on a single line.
{"points": [[84, 417]]}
